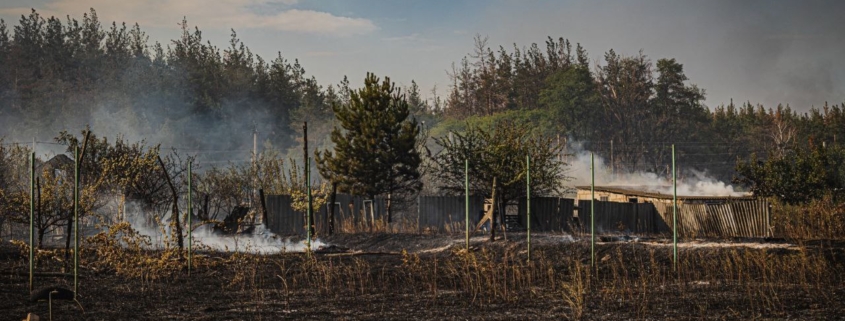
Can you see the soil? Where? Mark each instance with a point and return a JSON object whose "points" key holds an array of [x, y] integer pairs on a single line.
{"points": [[211, 294]]}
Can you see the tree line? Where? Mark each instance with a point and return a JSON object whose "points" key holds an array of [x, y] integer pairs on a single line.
{"points": [[58, 74], [65, 73], [627, 109]]}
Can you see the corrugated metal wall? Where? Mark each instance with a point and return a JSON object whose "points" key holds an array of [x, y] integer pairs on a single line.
{"points": [[734, 219], [281, 218], [548, 214], [616, 217], [350, 213], [446, 214]]}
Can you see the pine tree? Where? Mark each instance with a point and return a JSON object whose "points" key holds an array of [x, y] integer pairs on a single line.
{"points": [[374, 152]]}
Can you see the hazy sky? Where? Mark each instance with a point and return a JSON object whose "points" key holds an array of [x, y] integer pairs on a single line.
{"points": [[765, 52]]}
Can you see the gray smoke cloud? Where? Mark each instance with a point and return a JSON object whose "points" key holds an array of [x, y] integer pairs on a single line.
{"points": [[691, 183], [260, 241]]}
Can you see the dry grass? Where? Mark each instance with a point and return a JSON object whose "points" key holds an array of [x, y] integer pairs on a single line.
{"points": [[820, 219], [630, 280]]}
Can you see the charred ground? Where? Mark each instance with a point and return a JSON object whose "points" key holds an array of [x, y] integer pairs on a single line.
{"points": [[417, 277]]}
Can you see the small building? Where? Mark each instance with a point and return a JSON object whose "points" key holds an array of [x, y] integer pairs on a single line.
{"points": [[653, 194], [58, 165], [714, 215]]}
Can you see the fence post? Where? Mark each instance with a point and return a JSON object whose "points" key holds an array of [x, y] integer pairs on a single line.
{"points": [[76, 226], [674, 211], [466, 200], [308, 187], [190, 219], [528, 201], [592, 210], [31, 216]]}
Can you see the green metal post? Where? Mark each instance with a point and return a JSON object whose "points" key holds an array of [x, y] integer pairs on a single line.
{"points": [[528, 201], [31, 217], [592, 210], [190, 219], [308, 187], [674, 210], [76, 222], [466, 200]]}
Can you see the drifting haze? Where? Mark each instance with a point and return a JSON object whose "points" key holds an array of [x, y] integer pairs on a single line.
{"points": [[765, 52], [690, 183]]}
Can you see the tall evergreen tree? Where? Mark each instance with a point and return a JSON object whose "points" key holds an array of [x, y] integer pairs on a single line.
{"points": [[375, 151]]}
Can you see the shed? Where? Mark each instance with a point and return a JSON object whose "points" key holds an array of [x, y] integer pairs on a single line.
{"points": [[735, 215], [654, 194]]}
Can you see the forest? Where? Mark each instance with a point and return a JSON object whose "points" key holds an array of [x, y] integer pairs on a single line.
{"points": [[63, 74], [168, 142]]}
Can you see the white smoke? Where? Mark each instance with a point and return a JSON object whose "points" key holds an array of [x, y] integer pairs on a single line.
{"points": [[260, 241], [693, 183]]}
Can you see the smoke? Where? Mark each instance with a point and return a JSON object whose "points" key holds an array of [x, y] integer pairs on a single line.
{"points": [[692, 183], [261, 241]]}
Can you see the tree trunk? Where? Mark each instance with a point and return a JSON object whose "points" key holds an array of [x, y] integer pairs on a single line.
{"points": [[67, 240], [389, 213], [175, 212], [493, 217], [39, 214], [372, 219], [206, 215], [332, 200], [263, 207], [78, 168]]}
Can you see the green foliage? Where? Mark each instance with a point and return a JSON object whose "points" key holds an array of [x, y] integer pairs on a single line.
{"points": [[57, 74], [797, 177], [14, 182], [375, 151], [497, 148], [572, 99]]}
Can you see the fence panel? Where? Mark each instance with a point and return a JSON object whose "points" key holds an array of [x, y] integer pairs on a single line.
{"points": [[616, 217], [548, 214], [281, 218], [447, 214], [731, 219]]}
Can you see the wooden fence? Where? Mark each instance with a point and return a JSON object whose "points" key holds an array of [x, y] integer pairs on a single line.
{"points": [[733, 219], [351, 214], [622, 218], [446, 214], [548, 214]]}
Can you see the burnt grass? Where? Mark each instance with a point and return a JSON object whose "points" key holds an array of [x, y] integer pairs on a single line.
{"points": [[430, 277]]}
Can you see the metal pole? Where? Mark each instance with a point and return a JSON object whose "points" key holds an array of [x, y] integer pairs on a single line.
{"points": [[612, 162], [190, 218], [76, 222], [31, 217], [528, 201], [50, 302], [466, 200], [254, 193], [674, 210], [592, 210], [308, 187]]}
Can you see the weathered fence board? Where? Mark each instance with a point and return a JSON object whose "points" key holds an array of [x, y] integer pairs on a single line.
{"points": [[616, 217], [548, 214], [446, 214], [351, 211], [731, 219]]}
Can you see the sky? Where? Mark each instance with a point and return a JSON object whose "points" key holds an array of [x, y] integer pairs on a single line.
{"points": [[768, 52]]}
